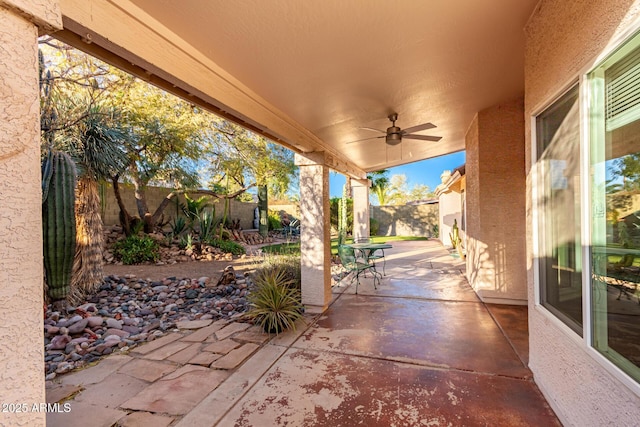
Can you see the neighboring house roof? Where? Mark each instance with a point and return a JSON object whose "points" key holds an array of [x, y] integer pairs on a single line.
{"points": [[431, 201], [448, 179]]}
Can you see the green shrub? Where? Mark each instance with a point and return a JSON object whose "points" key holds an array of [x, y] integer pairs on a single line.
{"points": [[275, 301], [374, 227], [137, 249], [289, 264], [274, 220], [227, 246]]}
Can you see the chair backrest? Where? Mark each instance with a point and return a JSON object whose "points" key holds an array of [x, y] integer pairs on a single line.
{"points": [[346, 255]]}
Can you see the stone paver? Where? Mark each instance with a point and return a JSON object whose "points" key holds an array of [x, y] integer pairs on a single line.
{"points": [[147, 370], [145, 419], [255, 335], [178, 395], [113, 391], [231, 329], [217, 403], [204, 333], [183, 356], [167, 350], [235, 357], [57, 393], [205, 358], [156, 344], [193, 324], [81, 412], [98, 373], [222, 347]]}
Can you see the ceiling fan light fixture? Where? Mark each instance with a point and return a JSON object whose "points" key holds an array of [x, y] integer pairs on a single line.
{"points": [[394, 138]]}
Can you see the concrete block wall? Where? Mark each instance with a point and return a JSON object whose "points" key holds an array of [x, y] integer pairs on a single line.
{"points": [[407, 220], [155, 195]]}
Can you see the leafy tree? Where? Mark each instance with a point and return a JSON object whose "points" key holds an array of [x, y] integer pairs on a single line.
{"points": [[395, 190]]}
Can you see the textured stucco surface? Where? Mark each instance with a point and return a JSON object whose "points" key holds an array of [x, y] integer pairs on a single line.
{"points": [[360, 194], [45, 14], [315, 237], [562, 39], [450, 209], [496, 199], [21, 352]]}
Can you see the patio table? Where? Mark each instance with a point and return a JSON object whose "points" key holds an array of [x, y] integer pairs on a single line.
{"points": [[368, 250]]}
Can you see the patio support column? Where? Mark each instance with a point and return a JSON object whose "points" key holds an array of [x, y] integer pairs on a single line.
{"points": [[315, 231], [21, 277], [360, 194], [496, 200]]}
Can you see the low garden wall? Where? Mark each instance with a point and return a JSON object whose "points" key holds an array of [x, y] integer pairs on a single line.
{"points": [[406, 220], [155, 195]]}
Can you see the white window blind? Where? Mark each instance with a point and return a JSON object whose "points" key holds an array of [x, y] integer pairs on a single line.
{"points": [[623, 91]]}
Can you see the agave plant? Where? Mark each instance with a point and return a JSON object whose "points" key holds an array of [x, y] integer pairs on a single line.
{"points": [[275, 301]]}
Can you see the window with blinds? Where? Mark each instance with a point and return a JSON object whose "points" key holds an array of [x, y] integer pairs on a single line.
{"points": [[622, 91]]}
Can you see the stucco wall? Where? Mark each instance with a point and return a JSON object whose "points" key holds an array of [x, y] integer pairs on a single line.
{"points": [[496, 204], [449, 209], [563, 38], [21, 302]]}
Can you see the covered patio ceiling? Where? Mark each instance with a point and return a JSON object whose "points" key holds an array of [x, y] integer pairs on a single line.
{"points": [[312, 74]]}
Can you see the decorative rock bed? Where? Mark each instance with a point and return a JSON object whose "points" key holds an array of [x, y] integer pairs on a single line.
{"points": [[128, 311]]}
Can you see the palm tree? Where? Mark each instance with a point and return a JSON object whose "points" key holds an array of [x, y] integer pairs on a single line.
{"points": [[380, 186], [95, 145]]}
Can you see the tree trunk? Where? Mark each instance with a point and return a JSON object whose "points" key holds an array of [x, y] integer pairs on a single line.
{"points": [[141, 203], [125, 219], [87, 275]]}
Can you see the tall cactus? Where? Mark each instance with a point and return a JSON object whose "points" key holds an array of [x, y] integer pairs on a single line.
{"points": [[58, 222]]}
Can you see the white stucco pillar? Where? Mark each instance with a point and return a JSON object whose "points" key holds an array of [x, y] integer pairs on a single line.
{"points": [[315, 235], [360, 194], [21, 301]]}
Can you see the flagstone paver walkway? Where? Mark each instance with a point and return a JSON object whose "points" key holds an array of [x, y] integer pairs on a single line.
{"points": [[159, 382]]}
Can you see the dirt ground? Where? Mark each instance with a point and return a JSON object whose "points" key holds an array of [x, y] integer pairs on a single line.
{"points": [[192, 270]]}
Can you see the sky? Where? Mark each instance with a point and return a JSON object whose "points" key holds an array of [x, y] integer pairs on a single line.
{"points": [[425, 172]]}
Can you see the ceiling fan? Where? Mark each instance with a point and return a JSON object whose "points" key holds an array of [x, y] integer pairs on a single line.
{"points": [[393, 135]]}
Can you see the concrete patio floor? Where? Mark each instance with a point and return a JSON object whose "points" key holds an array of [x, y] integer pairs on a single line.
{"points": [[420, 350]]}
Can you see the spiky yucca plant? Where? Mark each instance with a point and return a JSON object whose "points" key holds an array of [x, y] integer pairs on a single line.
{"points": [[95, 145], [275, 301]]}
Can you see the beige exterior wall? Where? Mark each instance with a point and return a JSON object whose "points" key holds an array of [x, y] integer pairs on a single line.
{"points": [[450, 209], [495, 228], [563, 40], [21, 302]]}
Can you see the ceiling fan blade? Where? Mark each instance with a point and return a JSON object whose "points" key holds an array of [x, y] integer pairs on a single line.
{"points": [[418, 128], [375, 130], [423, 137], [365, 139]]}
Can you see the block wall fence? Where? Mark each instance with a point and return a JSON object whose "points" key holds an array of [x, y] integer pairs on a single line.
{"points": [[408, 220]]}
